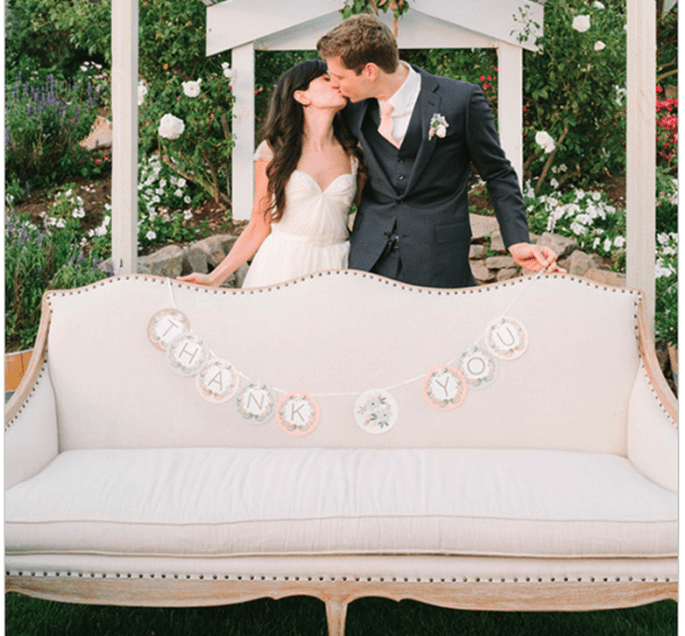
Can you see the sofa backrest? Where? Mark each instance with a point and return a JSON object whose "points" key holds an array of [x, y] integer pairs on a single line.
{"points": [[335, 336]]}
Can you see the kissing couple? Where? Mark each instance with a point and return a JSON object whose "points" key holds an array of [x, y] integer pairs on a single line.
{"points": [[363, 127]]}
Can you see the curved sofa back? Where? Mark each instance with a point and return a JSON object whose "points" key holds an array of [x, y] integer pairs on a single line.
{"points": [[334, 336]]}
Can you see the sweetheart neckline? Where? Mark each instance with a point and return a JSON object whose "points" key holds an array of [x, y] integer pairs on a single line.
{"points": [[316, 183]]}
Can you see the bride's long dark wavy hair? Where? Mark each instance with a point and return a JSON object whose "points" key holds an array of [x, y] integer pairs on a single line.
{"points": [[284, 130]]}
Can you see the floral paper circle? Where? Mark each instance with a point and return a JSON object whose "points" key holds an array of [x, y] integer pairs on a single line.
{"points": [[218, 381], [506, 338], [166, 325], [298, 413], [445, 387], [376, 411], [478, 366], [255, 402], [187, 354]]}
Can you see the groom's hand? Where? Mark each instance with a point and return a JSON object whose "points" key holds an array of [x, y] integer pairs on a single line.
{"points": [[535, 258]]}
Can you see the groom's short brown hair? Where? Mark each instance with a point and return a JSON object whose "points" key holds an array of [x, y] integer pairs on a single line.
{"points": [[359, 40]]}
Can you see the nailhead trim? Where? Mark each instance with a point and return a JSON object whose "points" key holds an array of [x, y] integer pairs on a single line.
{"points": [[250, 577], [343, 272], [39, 378], [660, 404]]}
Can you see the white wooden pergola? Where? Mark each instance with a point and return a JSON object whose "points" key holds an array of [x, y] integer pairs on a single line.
{"points": [[248, 25]]}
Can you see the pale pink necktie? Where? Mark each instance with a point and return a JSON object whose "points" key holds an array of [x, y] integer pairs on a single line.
{"points": [[385, 128]]}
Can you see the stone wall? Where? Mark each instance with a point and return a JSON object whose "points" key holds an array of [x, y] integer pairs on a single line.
{"points": [[490, 261]]}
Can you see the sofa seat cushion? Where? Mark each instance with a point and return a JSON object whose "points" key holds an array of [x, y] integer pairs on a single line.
{"points": [[252, 501]]}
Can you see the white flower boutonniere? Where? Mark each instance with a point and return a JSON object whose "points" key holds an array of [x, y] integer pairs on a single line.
{"points": [[438, 126]]}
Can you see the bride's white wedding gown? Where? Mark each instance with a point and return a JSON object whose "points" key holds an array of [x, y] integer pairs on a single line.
{"points": [[313, 233]]}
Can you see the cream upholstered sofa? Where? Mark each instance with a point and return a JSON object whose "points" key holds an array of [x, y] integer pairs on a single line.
{"points": [[544, 478]]}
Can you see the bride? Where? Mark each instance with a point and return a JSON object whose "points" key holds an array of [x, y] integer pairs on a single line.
{"points": [[306, 174]]}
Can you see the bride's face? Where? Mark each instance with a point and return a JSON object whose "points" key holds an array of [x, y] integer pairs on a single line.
{"points": [[321, 94]]}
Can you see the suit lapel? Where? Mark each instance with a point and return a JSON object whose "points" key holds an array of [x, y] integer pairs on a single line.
{"points": [[428, 104]]}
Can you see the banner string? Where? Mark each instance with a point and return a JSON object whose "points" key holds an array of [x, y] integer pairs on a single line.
{"points": [[398, 385]]}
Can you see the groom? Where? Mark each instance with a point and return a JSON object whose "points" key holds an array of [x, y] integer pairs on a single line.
{"points": [[419, 132]]}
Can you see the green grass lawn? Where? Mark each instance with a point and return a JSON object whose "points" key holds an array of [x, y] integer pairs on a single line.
{"points": [[304, 616]]}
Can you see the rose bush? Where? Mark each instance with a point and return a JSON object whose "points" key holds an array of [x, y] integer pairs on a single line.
{"points": [[172, 60], [574, 90]]}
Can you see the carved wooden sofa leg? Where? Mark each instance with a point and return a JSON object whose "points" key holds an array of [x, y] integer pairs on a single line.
{"points": [[336, 612]]}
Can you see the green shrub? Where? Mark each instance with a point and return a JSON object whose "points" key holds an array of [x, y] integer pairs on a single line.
{"points": [[34, 262], [586, 216], [43, 125], [34, 43], [574, 90], [172, 44], [666, 309], [201, 152], [165, 205]]}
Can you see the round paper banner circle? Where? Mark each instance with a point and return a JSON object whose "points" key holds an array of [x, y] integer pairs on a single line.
{"points": [[506, 338], [445, 387], [376, 411], [255, 402], [187, 354], [166, 325], [218, 381], [298, 413], [478, 366]]}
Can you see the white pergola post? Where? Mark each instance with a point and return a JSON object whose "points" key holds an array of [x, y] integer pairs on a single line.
{"points": [[641, 149], [243, 130], [510, 103], [124, 136]]}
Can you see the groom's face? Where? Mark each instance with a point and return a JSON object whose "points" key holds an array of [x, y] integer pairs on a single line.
{"points": [[354, 87]]}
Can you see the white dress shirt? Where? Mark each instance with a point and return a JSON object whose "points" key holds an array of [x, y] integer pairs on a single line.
{"points": [[403, 102]]}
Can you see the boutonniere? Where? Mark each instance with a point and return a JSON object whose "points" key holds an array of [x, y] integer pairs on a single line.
{"points": [[438, 126]]}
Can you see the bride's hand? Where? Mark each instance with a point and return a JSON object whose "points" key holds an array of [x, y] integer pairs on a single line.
{"points": [[198, 279]]}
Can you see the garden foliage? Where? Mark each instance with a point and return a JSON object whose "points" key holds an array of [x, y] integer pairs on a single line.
{"points": [[37, 260], [171, 53], [43, 125], [57, 61]]}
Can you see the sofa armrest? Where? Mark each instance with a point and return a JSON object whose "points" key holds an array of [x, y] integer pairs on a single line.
{"points": [[652, 416], [31, 437]]}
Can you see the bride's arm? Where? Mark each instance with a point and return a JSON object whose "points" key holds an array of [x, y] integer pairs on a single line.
{"points": [[249, 240]]}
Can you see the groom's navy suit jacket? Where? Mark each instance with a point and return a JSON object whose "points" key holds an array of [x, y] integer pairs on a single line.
{"points": [[419, 192]]}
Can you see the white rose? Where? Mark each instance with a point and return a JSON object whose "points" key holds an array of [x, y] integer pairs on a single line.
{"points": [[151, 235], [599, 45], [545, 141], [607, 245], [598, 5], [581, 23], [229, 72], [142, 91], [191, 89], [171, 127]]}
